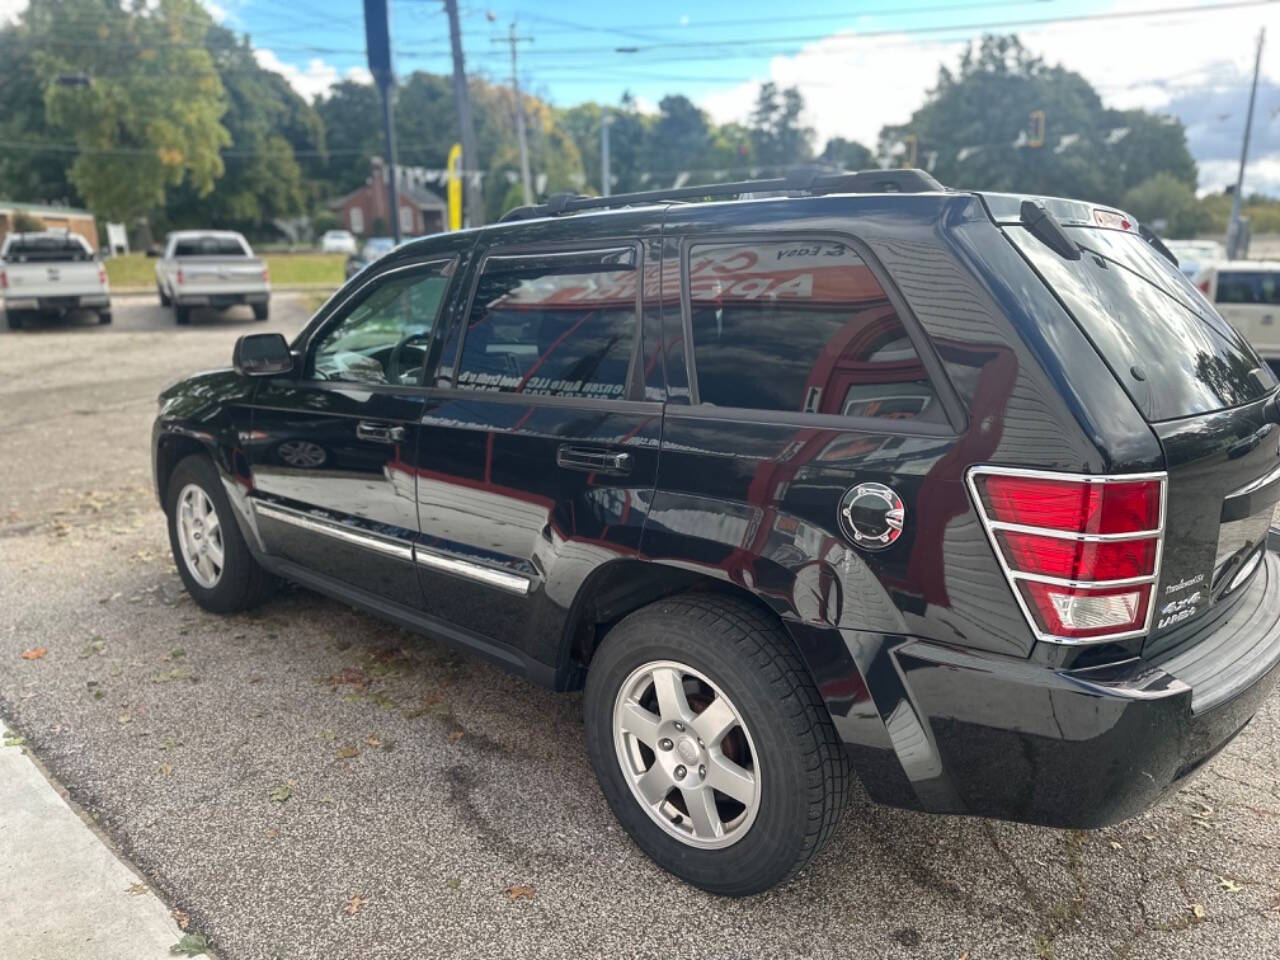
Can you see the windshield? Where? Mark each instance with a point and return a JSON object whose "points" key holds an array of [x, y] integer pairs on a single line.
{"points": [[210, 247], [34, 247], [1165, 343]]}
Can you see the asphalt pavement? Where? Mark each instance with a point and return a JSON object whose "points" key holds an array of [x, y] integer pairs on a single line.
{"points": [[308, 782]]}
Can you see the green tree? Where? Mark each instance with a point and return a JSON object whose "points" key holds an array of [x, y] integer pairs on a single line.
{"points": [[1165, 197], [352, 119], [680, 138], [976, 122], [847, 155], [778, 134], [263, 179], [28, 172], [149, 119]]}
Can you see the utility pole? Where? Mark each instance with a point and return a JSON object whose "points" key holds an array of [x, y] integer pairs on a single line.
{"points": [[526, 181], [1233, 226], [606, 120], [377, 31], [473, 209]]}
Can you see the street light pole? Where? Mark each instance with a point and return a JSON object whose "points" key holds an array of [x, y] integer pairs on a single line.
{"points": [[525, 180], [1233, 227]]}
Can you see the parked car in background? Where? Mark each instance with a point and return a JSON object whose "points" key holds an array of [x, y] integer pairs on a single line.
{"points": [[338, 241], [1247, 294], [51, 273], [373, 248], [967, 494], [211, 268], [1193, 254]]}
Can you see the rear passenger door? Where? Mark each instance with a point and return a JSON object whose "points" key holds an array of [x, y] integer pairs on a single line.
{"points": [[805, 382], [537, 453]]}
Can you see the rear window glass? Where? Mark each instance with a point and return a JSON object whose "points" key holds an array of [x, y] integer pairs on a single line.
{"points": [[210, 247], [801, 326], [1237, 286], [31, 249], [555, 324], [1140, 311]]}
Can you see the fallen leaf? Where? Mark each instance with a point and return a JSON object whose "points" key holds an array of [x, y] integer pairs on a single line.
{"points": [[271, 833], [123, 719], [35, 653], [136, 889], [520, 892], [346, 753], [180, 917], [281, 793], [329, 735], [1115, 845], [14, 740], [327, 801], [1197, 910], [166, 769], [354, 905], [373, 741], [191, 945], [1229, 885], [453, 883], [455, 735]]}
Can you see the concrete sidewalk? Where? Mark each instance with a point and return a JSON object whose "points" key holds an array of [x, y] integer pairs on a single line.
{"points": [[63, 892]]}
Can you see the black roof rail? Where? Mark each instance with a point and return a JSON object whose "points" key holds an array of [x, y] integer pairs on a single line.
{"points": [[804, 181]]}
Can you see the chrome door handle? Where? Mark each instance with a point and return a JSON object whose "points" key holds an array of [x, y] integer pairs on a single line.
{"points": [[377, 432], [593, 460]]}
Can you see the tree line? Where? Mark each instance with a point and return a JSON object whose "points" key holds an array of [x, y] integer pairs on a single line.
{"points": [[154, 112]]}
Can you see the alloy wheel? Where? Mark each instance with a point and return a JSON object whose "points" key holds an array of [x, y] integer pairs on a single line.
{"points": [[686, 754], [200, 536]]}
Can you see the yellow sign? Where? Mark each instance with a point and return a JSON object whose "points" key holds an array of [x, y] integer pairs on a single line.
{"points": [[455, 187]]}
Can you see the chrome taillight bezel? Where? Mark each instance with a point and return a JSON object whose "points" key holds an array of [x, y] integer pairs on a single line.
{"points": [[990, 527]]}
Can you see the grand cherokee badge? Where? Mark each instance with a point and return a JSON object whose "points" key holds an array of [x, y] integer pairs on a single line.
{"points": [[871, 515]]}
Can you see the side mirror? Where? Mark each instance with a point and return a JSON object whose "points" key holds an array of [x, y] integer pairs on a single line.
{"points": [[262, 355]]}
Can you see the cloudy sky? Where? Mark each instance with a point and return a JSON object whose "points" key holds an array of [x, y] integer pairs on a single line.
{"points": [[860, 65]]}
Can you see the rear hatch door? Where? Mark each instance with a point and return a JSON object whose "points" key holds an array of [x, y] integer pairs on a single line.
{"points": [[1199, 384]]}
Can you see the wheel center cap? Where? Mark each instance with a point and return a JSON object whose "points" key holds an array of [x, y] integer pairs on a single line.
{"points": [[687, 747]]}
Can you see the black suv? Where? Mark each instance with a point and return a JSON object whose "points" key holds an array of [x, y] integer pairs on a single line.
{"points": [[965, 493]]}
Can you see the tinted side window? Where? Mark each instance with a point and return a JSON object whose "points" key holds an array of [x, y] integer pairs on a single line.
{"points": [[557, 324], [1236, 286], [384, 338], [801, 326]]}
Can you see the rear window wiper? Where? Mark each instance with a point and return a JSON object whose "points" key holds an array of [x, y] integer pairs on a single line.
{"points": [[1044, 226]]}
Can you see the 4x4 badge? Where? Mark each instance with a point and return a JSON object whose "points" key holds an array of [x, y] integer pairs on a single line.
{"points": [[872, 515]]}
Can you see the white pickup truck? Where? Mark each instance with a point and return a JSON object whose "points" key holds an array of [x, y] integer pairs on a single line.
{"points": [[51, 272], [211, 268]]}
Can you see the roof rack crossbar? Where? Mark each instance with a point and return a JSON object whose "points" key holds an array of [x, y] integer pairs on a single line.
{"points": [[805, 181]]}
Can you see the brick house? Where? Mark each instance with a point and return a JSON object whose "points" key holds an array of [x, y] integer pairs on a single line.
{"points": [[363, 209]]}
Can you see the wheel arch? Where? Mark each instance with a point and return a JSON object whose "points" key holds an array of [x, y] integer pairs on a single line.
{"points": [[621, 587]]}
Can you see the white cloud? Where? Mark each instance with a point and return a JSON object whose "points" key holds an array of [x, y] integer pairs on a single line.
{"points": [[10, 10], [313, 80], [853, 87]]}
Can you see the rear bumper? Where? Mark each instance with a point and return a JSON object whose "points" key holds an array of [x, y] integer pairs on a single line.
{"points": [[220, 299], [954, 731], [91, 301]]}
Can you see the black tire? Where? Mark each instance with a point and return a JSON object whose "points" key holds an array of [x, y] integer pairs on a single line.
{"points": [[164, 297], [104, 317], [260, 311], [243, 583], [804, 772], [181, 315]]}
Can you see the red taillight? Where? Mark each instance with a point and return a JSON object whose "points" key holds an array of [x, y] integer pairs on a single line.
{"points": [[1079, 559], [1204, 287], [4, 280], [180, 275], [1074, 506], [1081, 553], [266, 275], [102, 276]]}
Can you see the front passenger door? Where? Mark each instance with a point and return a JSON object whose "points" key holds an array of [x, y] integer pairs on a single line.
{"points": [[331, 454]]}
